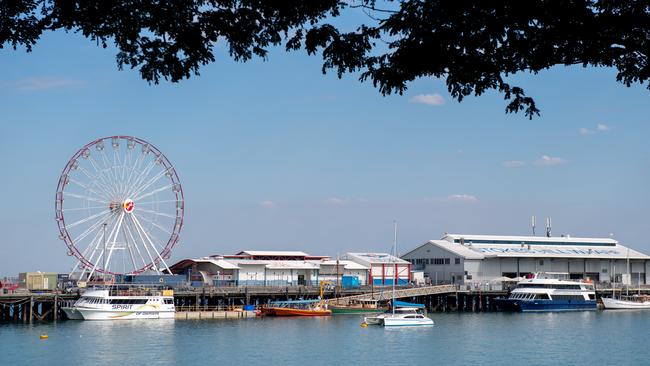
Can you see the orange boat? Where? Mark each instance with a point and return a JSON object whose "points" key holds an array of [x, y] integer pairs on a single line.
{"points": [[296, 308]]}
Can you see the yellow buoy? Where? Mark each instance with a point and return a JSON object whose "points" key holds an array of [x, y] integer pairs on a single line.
{"points": [[44, 336], [364, 324]]}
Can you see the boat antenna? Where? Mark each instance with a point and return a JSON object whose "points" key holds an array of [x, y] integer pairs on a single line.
{"points": [[548, 227], [395, 265]]}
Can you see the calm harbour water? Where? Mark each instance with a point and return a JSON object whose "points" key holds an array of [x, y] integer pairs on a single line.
{"points": [[584, 338]]}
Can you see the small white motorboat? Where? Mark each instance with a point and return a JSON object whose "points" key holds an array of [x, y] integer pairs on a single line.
{"points": [[626, 302]]}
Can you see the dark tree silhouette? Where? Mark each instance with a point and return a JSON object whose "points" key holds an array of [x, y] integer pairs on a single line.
{"points": [[473, 45]]}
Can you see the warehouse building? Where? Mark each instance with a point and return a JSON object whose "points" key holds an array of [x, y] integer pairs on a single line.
{"points": [[459, 258], [384, 268], [270, 268]]}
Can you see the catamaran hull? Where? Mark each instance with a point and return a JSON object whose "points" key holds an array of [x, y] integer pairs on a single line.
{"points": [[391, 322], [615, 304]]}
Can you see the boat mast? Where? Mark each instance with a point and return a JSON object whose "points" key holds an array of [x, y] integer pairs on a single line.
{"points": [[395, 265], [629, 278]]}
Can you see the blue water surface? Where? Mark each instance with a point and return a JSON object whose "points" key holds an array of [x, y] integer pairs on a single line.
{"points": [[581, 338]]}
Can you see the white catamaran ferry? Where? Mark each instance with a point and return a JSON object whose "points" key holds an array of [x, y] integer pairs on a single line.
{"points": [[119, 302], [545, 292]]}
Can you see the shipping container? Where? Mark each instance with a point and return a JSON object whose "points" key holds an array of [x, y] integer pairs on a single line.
{"points": [[38, 281], [350, 281]]}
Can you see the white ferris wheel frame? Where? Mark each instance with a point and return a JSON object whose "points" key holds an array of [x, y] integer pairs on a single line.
{"points": [[122, 189]]}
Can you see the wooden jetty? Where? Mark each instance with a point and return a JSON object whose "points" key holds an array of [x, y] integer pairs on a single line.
{"points": [[227, 302]]}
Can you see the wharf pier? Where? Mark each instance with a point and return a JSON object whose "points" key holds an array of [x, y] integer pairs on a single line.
{"points": [[228, 302]]}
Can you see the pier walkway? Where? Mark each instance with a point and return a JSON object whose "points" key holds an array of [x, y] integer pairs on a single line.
{"points": [[387, 294]]}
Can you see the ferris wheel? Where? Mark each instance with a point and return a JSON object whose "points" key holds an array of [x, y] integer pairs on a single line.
{"points": [[119, 208]]}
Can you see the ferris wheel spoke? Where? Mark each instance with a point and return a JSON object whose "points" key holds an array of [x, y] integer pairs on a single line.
{"points": [[141, 177], [82, 208], [156, 213], [134, 167], [117, 231], [110, 173], [96, 182], [150, 182], [156, 202], [82, 197], [153, 223], [88, 189], [139, 197], [85, 252], [92, 217], [143, 242], [102, 251], [133, 243], [100, 175], [137, 223], [90, 229]]}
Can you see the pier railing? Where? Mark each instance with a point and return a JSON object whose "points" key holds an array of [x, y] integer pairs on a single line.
{"points": [[387, 294]]}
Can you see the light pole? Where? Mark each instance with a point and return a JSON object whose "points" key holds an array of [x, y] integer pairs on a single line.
{"points": [[104, 254]]}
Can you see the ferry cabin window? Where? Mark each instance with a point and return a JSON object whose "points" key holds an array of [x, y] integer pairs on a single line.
{"points": [[169, 301], [592, 297]]}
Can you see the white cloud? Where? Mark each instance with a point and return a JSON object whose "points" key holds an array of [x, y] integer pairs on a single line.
{"points": [[335, 201], [467, 198], [267, 204], [44, 83], [429, 99], [513, 163], [546, 160], [600, 127]]}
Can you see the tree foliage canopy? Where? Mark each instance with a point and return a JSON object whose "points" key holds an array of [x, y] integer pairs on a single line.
{"points": [[473, 45]]}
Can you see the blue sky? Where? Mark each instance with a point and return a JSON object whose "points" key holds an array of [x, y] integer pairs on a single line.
{"points": [[275, 155]]}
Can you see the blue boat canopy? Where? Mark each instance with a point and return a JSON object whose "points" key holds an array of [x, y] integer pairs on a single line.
{"points": [[403, 304], [291, 302]]}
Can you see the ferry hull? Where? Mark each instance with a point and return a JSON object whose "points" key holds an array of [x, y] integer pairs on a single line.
{"points": [[616, 304], [93, 314], [72, 313], [541, 305]]}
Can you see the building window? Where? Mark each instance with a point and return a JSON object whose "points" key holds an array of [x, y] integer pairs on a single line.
{"points": [[541, 262], [457, 261], [438, 261], [447, 260]]}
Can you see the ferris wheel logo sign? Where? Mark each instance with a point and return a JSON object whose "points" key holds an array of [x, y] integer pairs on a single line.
{"points": [[128, 206]]}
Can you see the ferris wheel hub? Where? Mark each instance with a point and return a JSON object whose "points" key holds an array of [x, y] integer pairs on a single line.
{"points": [[128, 205]]}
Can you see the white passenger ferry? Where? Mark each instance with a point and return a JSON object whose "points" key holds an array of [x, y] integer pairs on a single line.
{"points": [[120, 303], [545, 293]]}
